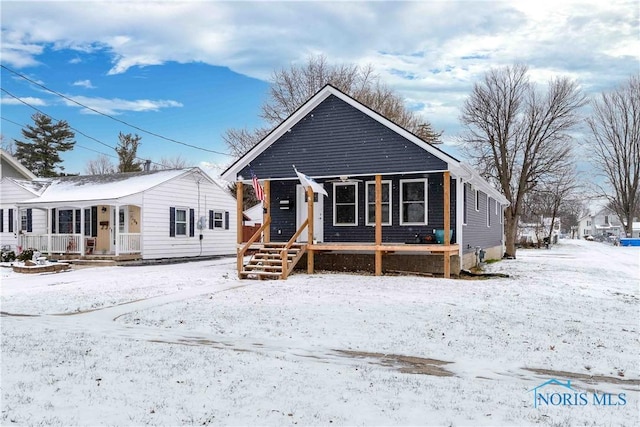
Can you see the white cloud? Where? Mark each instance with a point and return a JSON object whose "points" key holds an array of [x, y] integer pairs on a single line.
{"points": [[36, 102], [116, 106], [84, 83], [431, 52]]}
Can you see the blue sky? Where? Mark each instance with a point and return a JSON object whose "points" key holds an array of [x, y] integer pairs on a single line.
{"points": [[190, 70]]}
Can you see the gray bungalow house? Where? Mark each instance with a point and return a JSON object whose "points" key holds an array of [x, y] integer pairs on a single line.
{"points": [[395, 203]]}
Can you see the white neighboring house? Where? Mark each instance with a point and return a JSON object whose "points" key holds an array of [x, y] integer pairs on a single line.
{"points": [[16, 183], [600, 223], [254, 215], [148, 215], [535, 232]]}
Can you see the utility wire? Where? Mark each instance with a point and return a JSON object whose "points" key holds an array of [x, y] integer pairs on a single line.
{"points": [[71, 127], [109, 116]]}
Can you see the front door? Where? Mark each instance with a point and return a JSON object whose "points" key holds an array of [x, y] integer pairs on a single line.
{"points": [[302, 213]]}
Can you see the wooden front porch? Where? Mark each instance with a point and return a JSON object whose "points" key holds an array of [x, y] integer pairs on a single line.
{"points": [[285, 264]]}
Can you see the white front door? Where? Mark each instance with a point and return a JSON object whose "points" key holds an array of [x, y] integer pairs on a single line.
{"points": [[302, 211]]}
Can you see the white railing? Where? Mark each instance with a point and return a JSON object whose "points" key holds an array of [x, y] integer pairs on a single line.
{"points": [[60, 243], [129, 243], [39, 242]]}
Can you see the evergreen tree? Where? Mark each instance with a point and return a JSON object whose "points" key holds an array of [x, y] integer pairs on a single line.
{"points": [[44, 141], [127, 150]]}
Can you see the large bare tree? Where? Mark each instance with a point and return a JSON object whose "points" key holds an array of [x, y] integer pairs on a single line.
{"points": [[517, 134], [100, 166], [615, 134], [293, 86]]}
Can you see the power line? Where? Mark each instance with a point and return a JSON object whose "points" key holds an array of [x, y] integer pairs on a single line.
{"points": [[70, 127], [109, 116]]}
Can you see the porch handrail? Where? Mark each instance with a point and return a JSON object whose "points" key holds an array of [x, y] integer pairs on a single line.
{"points": [[284, 254], [251, 241]]}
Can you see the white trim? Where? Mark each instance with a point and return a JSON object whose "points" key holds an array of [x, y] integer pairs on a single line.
{"points": [[17, 165], [213, 226], [355, 203], [366, 202], [488, 211], [476, 200], [464, 204], [459, 215], [426, 201], [186, 222]]}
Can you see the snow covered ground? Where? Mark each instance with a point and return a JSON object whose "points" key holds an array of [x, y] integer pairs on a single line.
{"points": [[190, 344]]}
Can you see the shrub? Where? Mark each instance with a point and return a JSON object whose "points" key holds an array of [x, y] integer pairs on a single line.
{"points": [[25, 255], [8, 256]]}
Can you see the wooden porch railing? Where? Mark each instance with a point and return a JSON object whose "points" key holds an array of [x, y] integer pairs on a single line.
{"points": [[129, 243], [60, 243], [285, 251], [251, 241]]}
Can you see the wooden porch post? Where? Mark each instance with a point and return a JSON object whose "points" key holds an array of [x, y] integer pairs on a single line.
{"points": [[378, 256], [82, 240], [446, 183], [310, 230], [239, 224], [50, 220], [116, 231], [267, 211]]}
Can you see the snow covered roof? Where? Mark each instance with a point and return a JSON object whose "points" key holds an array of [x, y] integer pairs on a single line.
{"points": [[102, 187], [35, 186]]}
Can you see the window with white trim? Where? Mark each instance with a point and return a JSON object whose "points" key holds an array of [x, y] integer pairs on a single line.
{"points": [[345, 203], [488, 211], [23, 220], [386, 203], [181, 222], [477, 195], [217, 220], [413, 201], [465, 203]]}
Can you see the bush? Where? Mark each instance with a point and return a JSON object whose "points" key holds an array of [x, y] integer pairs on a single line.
{"points": [[8, 256], [25, 255]]}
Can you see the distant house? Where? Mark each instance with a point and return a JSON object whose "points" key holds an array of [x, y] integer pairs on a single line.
{"points": [[600, 222], [147, 215], [533, 233], [391, 196]]}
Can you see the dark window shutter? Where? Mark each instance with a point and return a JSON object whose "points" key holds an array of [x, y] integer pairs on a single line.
{"points": [[210, 220], [10, 220], [192, 222], [1, 220], [226, 220], [78, 227], [29, 220], [94, 221], [172, 222], [53, 221]]}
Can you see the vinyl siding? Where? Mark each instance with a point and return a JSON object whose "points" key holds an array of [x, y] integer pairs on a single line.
{"points": [[11, 194], [476, 233], [182, 193], [283, 224], [336, 139]]}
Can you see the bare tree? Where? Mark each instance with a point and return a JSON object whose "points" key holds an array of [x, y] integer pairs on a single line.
{"points": [[517, 135], [7, 145], [173, 162], [292, 87], [102, 165], [615, 136]]}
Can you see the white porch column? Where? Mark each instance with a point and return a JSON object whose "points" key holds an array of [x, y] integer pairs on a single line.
{"points": [[82, 241], [117, 228], [50, 219]]}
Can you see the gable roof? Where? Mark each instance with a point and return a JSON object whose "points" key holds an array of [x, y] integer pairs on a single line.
{"points": [[15, 164], [35, 186], [324, 93], [458, 168], [93, 188]]}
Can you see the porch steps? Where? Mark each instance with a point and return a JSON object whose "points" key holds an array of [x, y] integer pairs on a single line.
{"points": [[266, 263]]}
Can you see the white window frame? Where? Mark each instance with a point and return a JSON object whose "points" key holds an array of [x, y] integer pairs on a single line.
{"points": [[488, 211], [465, 204], [477, 201], [23, 220], [186, 222], [221, 220], [367, 201], [335, 205], [426, 201]]}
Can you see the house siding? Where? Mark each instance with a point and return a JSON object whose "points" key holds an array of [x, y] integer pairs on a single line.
{"points": [[476, 233], [12, 194], [336, 139], [183, 193], [283, 224]]}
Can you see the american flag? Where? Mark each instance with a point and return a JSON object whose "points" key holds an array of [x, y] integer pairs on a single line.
{"points": [[257, 188]]}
